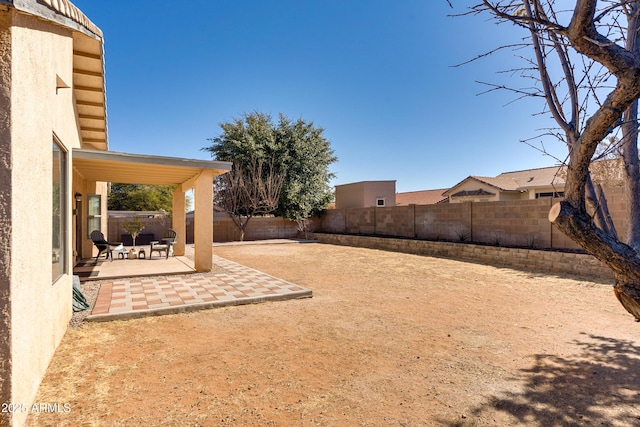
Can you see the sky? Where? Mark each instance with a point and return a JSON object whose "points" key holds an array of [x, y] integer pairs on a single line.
{"points": [[379, 76]]}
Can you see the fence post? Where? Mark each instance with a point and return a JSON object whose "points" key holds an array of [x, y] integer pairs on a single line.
{"points": [[550, 225], [375, 220], [412, 213]]}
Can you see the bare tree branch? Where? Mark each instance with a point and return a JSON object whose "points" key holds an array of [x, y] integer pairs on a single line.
{"points": [[591, 86], [245, 193]]}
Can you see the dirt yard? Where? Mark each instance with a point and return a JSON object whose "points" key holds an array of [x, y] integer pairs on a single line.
{"points": [[387, 340]]}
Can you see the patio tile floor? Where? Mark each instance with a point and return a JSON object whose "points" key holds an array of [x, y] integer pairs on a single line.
{"points": [[127, 298]]}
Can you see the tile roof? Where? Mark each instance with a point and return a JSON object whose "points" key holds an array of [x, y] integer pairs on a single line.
{"points": [[529, 178], [67, 9], [424, 197], [540, 177], [518, 181], [480, 192]]}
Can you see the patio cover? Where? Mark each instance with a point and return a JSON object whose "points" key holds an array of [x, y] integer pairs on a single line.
{"points": [[184, 174]]}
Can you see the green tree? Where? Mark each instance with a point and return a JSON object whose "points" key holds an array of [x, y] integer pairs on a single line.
{"points": [[139, 197], [297, 149]]}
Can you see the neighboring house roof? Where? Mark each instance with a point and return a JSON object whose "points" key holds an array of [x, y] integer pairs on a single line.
{"points": [[424, 197], [516, 181], [367, 182], [479, 192], [541, 177]]}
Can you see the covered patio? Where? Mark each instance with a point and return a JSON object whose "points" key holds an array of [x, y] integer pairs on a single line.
{"points": [[128, 289], [96, 166], [88, 269]]}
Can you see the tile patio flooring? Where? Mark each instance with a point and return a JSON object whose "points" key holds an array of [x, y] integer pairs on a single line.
{"points": [[229, 284]]}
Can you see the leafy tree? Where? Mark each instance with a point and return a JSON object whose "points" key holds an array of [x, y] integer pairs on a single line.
{"points": [[308, 155], [585, 64], [133, 227], [139, 197], [297, 149]]}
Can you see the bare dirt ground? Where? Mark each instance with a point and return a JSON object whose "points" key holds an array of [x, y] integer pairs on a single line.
{"points": [[388, 339]]}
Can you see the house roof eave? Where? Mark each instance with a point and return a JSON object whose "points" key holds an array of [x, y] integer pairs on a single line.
{"points": [[88, 82], [128, 168]]}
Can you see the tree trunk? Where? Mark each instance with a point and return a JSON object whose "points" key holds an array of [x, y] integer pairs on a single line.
{"points": [[621, 258], [598, 203], [630, 139], [629, 296]]}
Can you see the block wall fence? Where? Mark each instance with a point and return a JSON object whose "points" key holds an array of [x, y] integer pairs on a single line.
{"points": [[510, 233], [520, 223], [224, 230]]}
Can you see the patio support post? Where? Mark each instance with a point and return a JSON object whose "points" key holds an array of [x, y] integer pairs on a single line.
{"points": [[178, 222], [203, 222]]}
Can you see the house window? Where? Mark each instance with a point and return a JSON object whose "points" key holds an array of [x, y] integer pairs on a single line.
{"points": [[94, 213], [550, 194], [380, 202], [59, 211]]}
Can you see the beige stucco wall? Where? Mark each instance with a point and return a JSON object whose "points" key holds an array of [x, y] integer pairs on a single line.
{"points": [[40, 310], [349, 196], [503, 196], [5, 212], [365, 194], [374, 190], [473, 185]]}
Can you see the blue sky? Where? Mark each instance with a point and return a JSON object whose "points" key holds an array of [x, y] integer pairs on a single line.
{"points": [[377, 75]]}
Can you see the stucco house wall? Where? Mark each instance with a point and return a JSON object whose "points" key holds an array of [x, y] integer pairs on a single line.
{"points": [[36, 56], [491, 194], [365, 194], [52, 89]]}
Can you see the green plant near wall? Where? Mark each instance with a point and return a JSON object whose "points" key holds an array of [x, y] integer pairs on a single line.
{"points": [[462, 236], [133, 227]]}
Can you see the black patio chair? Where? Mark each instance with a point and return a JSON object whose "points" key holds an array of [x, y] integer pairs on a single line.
{"points": [[103, 246], [165, 244]]}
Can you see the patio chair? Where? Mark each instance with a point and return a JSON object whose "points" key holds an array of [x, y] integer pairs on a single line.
{"points": [[103, 246], [165, 244]]}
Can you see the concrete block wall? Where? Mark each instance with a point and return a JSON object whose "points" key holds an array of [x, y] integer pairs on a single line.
{"points": [[155, 226], [224, 230], [522, 223], [357, 220], [526, 259], [616, 201], [395, 221], [448, 221], [335, 221], [512, 223], [259, 228]]}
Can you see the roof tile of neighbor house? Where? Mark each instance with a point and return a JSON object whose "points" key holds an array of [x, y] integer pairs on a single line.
{"points": [[540, 177], [520, 180], [424, 197], [479, 192]]}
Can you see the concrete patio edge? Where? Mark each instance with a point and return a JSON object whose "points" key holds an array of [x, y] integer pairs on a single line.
{"points": [[185, 308]]}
